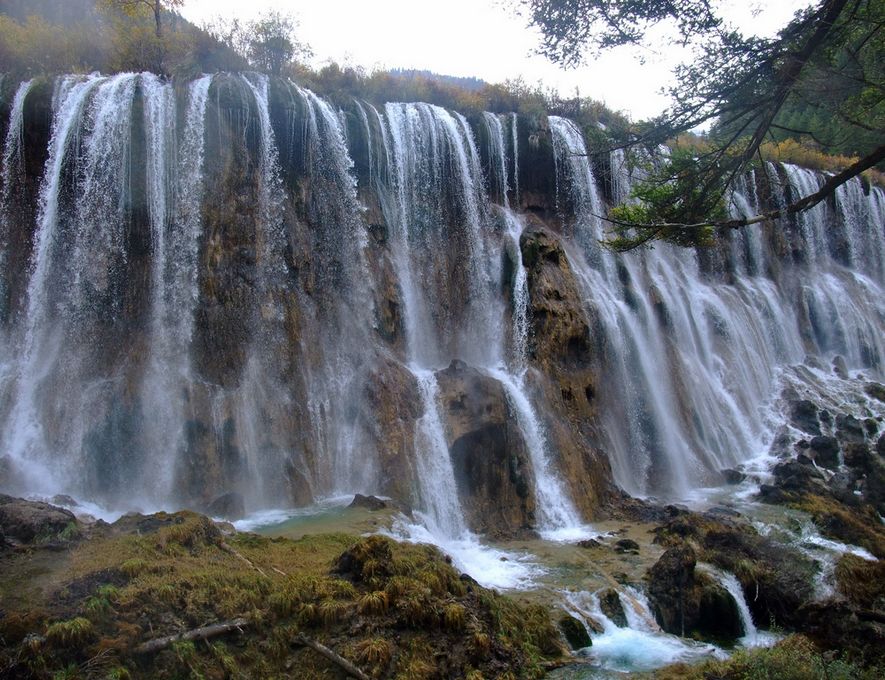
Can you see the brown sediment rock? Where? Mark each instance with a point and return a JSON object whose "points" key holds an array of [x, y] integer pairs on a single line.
{"points": [[26, 521], [687, 602], [393, 407], [566, 350], [776, 580], [489, 456]]}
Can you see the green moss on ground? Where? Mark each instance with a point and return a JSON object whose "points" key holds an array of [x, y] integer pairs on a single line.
{"points": [[794, 658], [396, 610]]}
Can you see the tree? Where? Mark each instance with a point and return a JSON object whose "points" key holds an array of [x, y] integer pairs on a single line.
{"points": [[271, 43], [745, 85], [156, 8], [268, 43]]}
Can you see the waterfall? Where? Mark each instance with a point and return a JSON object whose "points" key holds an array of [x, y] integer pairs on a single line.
{"points": [[165, 377], [498, 169], [575, 182], [514, 142], [557, 515], [751, 637], [271, 238], [182, 273], [690, 362], [339, 243], [424, 140], [11, 167], [358, 251], [13, 147], [73, 264]]}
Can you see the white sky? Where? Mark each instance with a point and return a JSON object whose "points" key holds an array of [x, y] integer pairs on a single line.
{"points": [[479, 38]]}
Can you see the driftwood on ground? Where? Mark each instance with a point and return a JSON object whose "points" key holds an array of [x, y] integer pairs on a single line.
{"points": [[203, 633], [335, 658], [216, 629]]}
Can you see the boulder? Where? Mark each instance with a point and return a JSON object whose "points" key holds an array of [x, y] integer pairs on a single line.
{"points": [[804, 416], [489, 455], [29, 521], [228, 506], [875, 390], [732, 476], [825, 451], [779, 578], [610, 605], [780, 445], [627, 545], [718, 614], [372, 503], [671, 586], [795, 476], [840, 367], [868, 469], [842, 486], [575, 632], [849, 430], [65, 500]]}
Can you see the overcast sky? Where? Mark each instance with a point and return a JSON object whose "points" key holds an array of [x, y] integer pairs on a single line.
{"points": [[479, 38]]}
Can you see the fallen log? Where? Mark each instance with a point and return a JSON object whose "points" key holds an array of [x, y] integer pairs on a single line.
{"points": [[204, 633], [335, 658]]}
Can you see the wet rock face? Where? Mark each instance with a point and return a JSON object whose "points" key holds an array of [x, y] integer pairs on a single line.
{"points": [[670, 586], [804, 416], [574, 632], [226, 314], [392, 407], [489, 455], [825, 451], [568, 355], [26, 521], [685, 601], [610, 604], [776, 581], [24, 195], [837, 477], [228, 506]]}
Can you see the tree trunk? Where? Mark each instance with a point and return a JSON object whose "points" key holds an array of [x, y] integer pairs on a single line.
{"points": [[157, 21]]}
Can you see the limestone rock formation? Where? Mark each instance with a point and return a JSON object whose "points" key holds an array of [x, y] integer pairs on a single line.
{"points": [[569, 367], [489, 456], [685, 601]]}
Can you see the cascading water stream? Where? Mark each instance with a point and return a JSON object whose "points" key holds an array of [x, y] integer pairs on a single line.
{"points": [[557, 516], [11, 168], [165, 379], [51, 314], [498, 170], [514, 142]]}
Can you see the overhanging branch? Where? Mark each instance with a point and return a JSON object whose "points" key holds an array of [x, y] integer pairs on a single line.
{"points": [[649, 231]]}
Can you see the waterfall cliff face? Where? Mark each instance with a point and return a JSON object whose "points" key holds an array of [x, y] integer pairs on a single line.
{"points": [[232, 285]]}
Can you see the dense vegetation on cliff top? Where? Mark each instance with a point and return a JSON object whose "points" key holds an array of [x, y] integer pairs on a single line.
{"points": [[50, 36]]}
